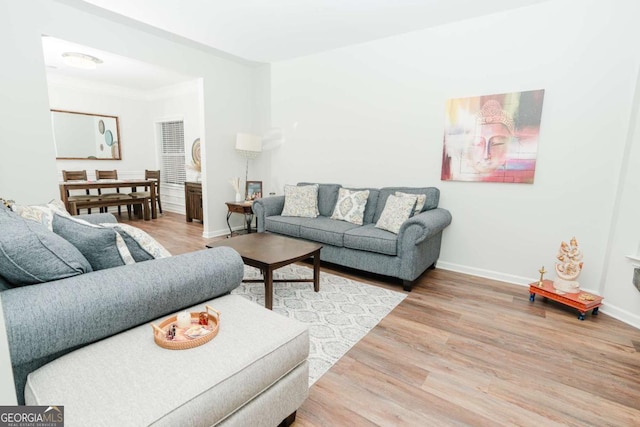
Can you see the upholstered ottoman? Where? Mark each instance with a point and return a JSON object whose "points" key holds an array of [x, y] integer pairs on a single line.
{"points": [[253, 373]]}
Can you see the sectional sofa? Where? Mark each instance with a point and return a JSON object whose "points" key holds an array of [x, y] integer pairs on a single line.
{"points": [[404, 255], [80, 337]]}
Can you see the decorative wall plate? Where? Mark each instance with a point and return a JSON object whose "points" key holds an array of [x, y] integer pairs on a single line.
{"points": [[108, 138], [101, 126], [195, 152]]}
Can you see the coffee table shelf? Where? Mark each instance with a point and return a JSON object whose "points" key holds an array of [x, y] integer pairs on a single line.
{"points": [[582, 301]]}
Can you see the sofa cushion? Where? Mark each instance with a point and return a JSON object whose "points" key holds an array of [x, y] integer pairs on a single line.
{"points": [[432, 193], [142, 246], [103, 247], [254, 351], [4, 285], [287, 225], [396, 211], [300, 201], [30, 253], [325, 230], [327, 197], [351, 205], [371, 239]]}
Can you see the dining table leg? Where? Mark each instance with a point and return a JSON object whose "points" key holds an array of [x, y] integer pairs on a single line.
{"points": [[152, 189], [145, 208]]}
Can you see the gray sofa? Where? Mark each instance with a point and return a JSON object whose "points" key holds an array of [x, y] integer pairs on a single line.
{"points": [[405, 255], [67, 336]]}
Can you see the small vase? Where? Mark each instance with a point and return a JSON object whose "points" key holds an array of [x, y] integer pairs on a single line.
{"points": [[238, 197]]}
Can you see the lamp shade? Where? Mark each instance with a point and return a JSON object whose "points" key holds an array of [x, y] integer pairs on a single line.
{"points": [[248, 143]]}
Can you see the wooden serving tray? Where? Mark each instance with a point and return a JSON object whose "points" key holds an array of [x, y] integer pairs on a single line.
{"points": [[182, 341]]}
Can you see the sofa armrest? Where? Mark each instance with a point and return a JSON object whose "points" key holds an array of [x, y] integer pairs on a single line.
{"points": [[424, 225], [267, 206], [46, 320], [99, 218]]}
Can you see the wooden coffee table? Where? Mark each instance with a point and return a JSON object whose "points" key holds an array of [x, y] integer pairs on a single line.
{"points": [[268, 252]]}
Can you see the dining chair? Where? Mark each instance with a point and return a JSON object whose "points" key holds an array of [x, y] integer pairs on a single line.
{"points": [[78, 176], [155, 175], [113, 174]]}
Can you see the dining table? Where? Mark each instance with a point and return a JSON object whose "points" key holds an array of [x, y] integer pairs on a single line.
{"points": [[67, 186]]}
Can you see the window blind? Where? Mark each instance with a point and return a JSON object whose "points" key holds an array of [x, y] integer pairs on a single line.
{"points": [[173, 169]]}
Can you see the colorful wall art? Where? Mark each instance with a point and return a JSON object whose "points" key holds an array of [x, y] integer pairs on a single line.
{"points": [[492, 138]]}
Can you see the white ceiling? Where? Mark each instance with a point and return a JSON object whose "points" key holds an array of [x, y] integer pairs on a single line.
{"points": [[259, 30], [115, 70], [274, 30]]}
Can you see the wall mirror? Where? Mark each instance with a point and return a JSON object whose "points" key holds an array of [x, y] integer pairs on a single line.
{"points": [[86, 136]]}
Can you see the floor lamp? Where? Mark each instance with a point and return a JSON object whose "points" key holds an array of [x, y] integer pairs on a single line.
{"points": [[248, 146]]}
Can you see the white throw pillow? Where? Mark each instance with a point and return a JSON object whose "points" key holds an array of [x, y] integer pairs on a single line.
{"points": [[41, 213], [350, 206], [301, 200], [143, 247], [422, 198], [396, 211]]}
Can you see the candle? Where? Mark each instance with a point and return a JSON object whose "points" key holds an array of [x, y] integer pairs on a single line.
{"points": [[184, 320]]}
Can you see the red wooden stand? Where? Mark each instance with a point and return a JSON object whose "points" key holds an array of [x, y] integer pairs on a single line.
{"points": [[581, 301]]}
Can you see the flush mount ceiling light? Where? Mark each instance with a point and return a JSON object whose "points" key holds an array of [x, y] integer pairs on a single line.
{"points": [[81, 60]]}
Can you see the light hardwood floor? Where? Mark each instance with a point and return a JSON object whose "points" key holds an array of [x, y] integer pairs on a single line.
{"points": [[462, 350]]}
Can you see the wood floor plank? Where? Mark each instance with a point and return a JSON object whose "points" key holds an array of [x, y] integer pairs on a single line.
{"points": [[462, 350]]}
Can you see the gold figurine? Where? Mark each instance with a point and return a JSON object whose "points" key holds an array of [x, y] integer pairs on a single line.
{"points": [[541, 271]]}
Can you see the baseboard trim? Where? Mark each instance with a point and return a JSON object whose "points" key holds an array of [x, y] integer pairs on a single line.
{"points": [[487, 274], [220, 232], [609, 309], [621, 314]]}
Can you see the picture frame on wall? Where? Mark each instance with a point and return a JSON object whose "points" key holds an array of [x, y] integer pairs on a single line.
{"points": [[253, 190], [492, 138]]}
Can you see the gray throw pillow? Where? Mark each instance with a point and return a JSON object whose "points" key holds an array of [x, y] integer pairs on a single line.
{"points": [[103, 247], [29, 253]]}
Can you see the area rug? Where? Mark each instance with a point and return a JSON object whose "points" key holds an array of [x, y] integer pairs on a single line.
{"points": [[338, 316]]}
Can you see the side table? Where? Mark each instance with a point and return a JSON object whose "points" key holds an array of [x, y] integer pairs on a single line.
{"points": [[240, 208], [582, 301]]}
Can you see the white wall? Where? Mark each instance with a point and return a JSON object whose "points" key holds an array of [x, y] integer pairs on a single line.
{"points": [[137, 139], [138, 113], [227, 99], [623, 297], [177, 102], [373, 115], [26, 139]]}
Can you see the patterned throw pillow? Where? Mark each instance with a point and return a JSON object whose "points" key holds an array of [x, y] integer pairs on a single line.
{"points": [[41, 213], [396, 211], [142, 246], [422, 198], [350, 206], [301, 200]]}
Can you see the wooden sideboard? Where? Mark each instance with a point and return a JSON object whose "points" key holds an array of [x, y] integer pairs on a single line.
{"points": [[193, 200]]}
